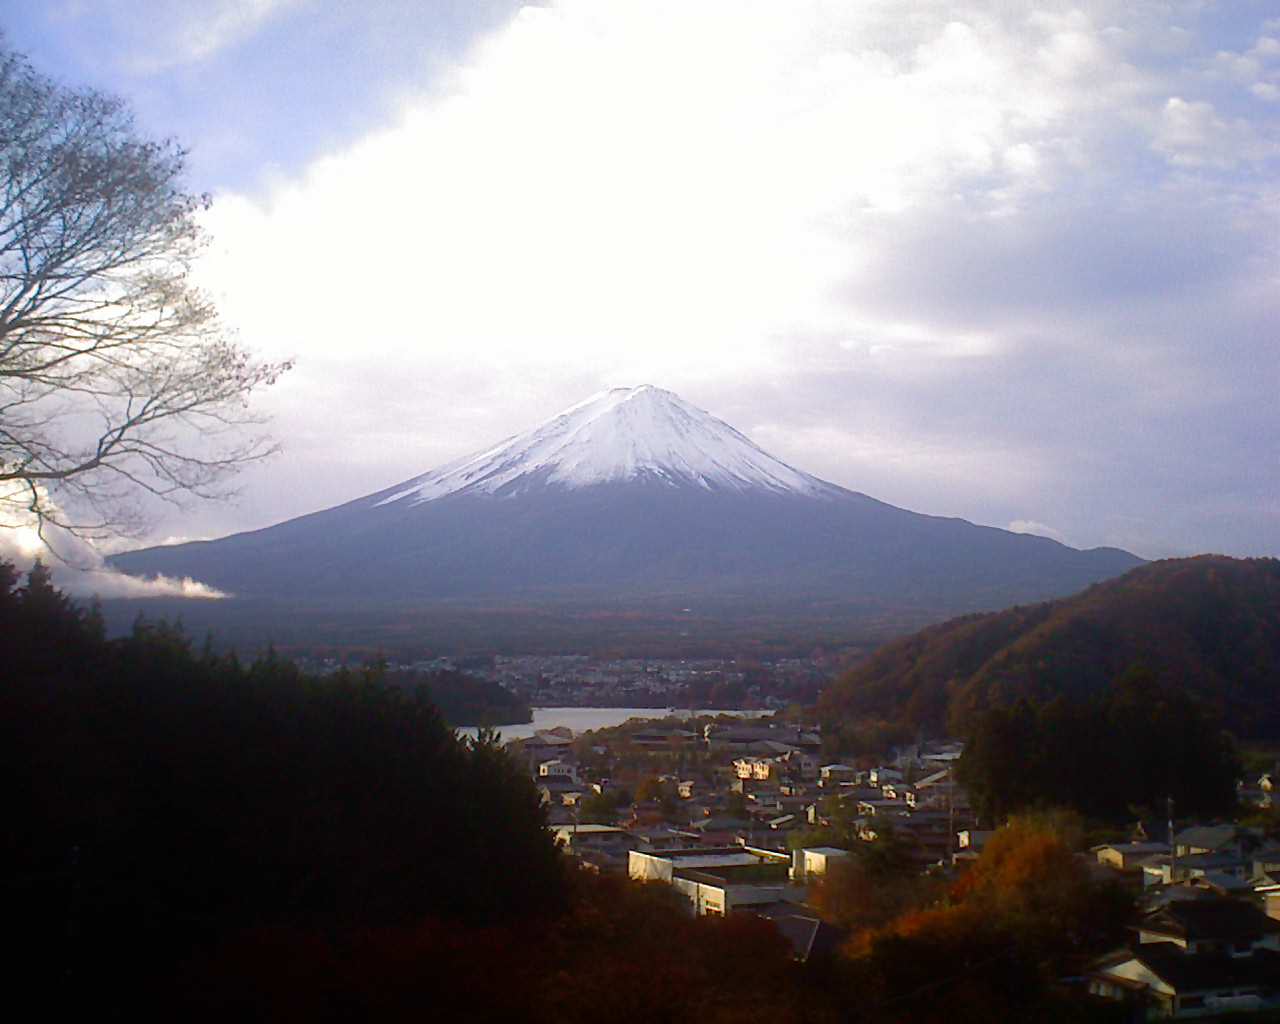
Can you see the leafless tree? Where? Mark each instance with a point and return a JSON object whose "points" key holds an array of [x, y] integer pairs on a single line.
{"points": [[116, 375]]}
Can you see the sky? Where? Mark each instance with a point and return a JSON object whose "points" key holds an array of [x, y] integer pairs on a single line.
{"points": [[1014, 262]]}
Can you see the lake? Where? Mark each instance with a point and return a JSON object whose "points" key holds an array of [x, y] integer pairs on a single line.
{"points": [[582, 719]]}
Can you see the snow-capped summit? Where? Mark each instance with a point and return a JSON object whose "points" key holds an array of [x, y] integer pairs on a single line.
{"points": [[623, 434], [633, 494]]}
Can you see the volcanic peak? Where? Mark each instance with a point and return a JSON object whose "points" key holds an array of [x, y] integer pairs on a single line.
{"points": [[622, 434]]}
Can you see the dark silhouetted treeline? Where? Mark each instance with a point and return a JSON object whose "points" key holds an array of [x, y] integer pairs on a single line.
{"points": [[1113, 756], [163, 801], [465, 700]]}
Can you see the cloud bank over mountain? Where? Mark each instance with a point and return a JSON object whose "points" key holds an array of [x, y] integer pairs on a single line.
{"points": [[1012, 263]]}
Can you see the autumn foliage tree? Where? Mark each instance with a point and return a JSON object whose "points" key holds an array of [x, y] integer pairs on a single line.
{"points": [[878, 882], [1026, 912]]}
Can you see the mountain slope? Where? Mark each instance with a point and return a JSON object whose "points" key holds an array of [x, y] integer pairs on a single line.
{"points": [[631, 492], [1210, 624]]}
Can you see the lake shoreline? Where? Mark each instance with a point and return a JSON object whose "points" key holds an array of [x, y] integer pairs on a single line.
{"points": [[580, 719]]}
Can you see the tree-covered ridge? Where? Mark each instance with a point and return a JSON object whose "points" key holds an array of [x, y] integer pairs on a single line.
{"points": [[465, 700], [166, 799], [1208, 624]]}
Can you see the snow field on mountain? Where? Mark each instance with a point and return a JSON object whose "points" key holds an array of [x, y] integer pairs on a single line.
{"points": [[618, 435]]}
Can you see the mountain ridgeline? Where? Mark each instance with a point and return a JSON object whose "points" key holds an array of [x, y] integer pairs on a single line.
{"points": [[1209, 625], [631, 494]]}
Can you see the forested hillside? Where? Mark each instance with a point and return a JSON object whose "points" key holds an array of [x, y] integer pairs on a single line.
{"points": [[167, 801], [1209, 625]]}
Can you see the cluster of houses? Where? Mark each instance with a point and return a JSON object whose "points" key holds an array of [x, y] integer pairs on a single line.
{"points": [[1207, 944], [722, 833], [757, 784], [1208, 941]]}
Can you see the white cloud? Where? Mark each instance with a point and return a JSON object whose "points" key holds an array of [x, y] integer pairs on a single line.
{"points": [[652, 189], [907, 200], [1192, 134]]}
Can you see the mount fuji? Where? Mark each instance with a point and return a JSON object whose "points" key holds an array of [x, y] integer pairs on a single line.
{"points": [[632, 492]]}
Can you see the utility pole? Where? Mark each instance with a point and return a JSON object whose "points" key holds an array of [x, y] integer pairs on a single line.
{"points": [[1173, 847], [951, 818]]}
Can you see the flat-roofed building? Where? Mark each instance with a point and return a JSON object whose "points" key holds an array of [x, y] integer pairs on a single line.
{"points": [[717, 881]]}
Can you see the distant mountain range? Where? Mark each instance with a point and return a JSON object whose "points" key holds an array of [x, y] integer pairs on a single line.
{"points": [[1210, 624], [632, 492]]}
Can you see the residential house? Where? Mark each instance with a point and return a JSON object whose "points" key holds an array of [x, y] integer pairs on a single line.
{"points": [[880, 775], [1128, 856], [543, 746], [810, 937], [1216, 839], [835, 774], [1196, 958], [614, 842], [761, 768], [969, 844], [940, 790], [899, 791], [556, 790], [800, 763], [871, 808], [557, 768]]}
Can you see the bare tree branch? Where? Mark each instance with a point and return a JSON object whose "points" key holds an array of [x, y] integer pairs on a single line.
{"points": [[117, 377]]}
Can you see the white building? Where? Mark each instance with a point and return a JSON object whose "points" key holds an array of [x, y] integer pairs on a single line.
{"points": [[716, 881], [813, 861]]}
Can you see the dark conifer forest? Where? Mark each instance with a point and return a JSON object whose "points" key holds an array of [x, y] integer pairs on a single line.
{"points": [[163, 799]]}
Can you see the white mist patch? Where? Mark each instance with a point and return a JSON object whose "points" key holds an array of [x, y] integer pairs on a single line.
{"points": [[1037, 529], [77, 565], [110, 583]]}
